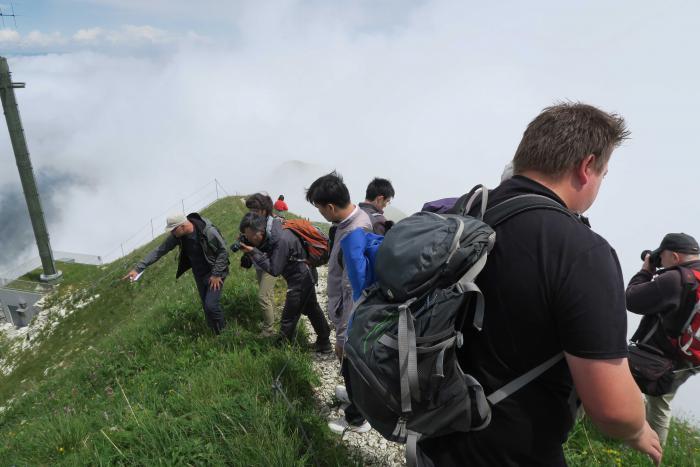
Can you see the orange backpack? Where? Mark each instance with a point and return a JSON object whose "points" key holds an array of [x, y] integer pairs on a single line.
{"points": [[312, 239]]}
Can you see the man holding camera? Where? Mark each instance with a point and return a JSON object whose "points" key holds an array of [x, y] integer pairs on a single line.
{"points": [[280, 252], [261, 204], [665, 299]]}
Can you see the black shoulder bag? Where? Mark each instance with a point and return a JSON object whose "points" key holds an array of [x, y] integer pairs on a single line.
{"points": [[651, 369]]}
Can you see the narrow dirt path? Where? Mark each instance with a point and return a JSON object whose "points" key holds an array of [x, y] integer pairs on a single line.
{"points": [[374, 449]]}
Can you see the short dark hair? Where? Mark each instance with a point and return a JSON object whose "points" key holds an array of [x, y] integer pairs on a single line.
{"points": [[560, 137], [329, 189], [259, 201], [379, 187], [281, 197], [253, 221]]}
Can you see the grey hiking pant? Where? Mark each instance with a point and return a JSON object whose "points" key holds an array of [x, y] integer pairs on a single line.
{"points": [[266, 297], [659, 407], [210, 303]]}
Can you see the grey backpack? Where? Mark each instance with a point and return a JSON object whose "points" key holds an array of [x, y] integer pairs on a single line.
{"points": [[404, 376]]}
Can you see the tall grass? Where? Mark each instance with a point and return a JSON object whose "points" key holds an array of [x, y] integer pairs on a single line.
{"points": [[136, 378], [588, 447]]}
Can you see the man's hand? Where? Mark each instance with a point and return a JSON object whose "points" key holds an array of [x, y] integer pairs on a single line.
{"points": [[246, 248], [131, 275], [339, 351], [647, 442], [215, 282], [647, 266]]}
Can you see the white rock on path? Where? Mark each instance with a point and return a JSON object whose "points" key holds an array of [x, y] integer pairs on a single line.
{"points": [[372, 447]]}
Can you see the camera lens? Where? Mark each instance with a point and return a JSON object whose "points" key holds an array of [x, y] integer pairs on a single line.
{"points": [[645, 253]]}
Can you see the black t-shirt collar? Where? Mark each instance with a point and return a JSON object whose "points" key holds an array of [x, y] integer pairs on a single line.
{"points": [[520, 184]]}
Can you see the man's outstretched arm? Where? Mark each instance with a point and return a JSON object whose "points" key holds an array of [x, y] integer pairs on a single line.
{"points": [[153, 256]]}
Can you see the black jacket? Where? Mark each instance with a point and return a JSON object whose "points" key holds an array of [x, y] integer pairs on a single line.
{"points": [[281, 253], [665, 299], [211, 240]]}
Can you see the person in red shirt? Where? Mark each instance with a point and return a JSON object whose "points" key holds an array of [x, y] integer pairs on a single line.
{"points": [[280, 205]]}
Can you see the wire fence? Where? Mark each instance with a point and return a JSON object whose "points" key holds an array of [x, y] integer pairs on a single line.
{"points": [[201, 198]]}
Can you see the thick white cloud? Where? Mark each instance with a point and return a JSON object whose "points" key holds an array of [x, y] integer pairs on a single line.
{"points": [[9, 36], [88, 35], [142, 37], [40, 39], [140, 34], [434, 95]]}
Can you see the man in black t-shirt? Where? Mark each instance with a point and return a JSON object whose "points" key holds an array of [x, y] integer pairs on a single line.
{"points": [[551, 285]]}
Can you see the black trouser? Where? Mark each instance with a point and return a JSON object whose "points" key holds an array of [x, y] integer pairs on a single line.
{"points": [[301, 299], [352, 415], [210, 303]]}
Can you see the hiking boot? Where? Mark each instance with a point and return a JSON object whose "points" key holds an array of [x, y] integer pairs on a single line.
{"points": [[340, 426], [267, 332], [323, 346], [342, 394]]}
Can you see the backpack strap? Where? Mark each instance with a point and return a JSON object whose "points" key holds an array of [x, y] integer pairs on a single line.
{"points": [[408, 360], [460, 205], [651, 332], [523, 380], [497, 215], [466, 284], [479, 190], [690, 286], [518, 204]]}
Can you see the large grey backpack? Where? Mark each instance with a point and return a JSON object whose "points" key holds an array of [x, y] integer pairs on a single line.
{"points": [[403, 370]]}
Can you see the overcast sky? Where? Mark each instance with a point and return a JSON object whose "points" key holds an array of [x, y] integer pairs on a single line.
{"points": [[131, 106]]}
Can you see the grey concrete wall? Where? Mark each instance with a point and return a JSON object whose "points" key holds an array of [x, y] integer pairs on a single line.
{"points": [[11, 300]]}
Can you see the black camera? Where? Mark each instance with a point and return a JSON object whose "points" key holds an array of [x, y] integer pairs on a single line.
{"points": [[237, 245], [654, 261]]}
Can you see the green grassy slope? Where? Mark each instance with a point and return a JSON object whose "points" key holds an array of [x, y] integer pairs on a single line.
{"points": [[588, 447], [134, 377]]}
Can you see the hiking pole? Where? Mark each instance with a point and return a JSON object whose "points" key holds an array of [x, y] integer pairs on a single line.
{"points": [[277, 386]]}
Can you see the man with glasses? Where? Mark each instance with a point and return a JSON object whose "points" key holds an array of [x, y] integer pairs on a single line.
{"points": [[261, 204]]}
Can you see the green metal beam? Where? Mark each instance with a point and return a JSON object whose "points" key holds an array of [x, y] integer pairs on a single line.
{"points": [[26, 172]]}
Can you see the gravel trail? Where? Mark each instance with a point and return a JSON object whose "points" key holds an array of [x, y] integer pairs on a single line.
{"points": [[374, 449]]}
